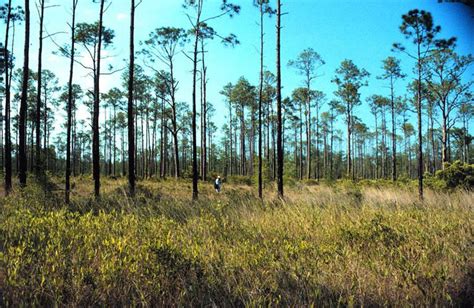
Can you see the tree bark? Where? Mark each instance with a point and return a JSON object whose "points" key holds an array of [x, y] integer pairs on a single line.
{"points": [[37, 162], [24, 97], [70, 103], [8, 145], [444, 141], [96, 109], [349, 132], [204, 116], [194, 145], [279, 113], [420, 135], [260, 97], [394, 133]]}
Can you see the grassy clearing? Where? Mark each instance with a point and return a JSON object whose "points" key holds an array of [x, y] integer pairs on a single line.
{"points": [[325, 244]]}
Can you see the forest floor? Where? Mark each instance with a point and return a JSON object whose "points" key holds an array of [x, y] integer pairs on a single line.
{"points": [[339, 243]]}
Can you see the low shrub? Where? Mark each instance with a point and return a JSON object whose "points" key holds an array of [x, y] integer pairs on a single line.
{"points": [[328, 246], [457, 175], [239, 180], [310, 182]]}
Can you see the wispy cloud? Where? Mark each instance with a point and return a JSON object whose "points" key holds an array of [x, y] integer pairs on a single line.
{"points": [[121, 16]]}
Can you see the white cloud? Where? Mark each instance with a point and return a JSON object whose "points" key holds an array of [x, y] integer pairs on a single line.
{"points": [[121, 16]]}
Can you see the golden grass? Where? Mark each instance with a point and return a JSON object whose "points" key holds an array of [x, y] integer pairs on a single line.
{"points": [[326, 245]]}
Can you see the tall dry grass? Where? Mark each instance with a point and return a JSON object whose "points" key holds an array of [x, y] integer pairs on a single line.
{"points": [[325, 245]]}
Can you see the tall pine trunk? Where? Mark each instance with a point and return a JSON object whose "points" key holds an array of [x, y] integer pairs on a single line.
{"points": [[279, 115], [38, 92], [96, 108], [349, 149], [203, 115], [194, 136], [420, 134], [24, 97], [8, 144], [394, 134], [70, 103], [260, 94], [444, 142]]}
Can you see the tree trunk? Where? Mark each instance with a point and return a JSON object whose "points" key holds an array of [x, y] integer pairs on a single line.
{"points": [[318, 171], [279, 115], [111, 144], [394, 134], [444, 141], [204, 116], [24, 97], [384, 144], [37, 162], [74, 139], [31, 151], [260, 97], [420, 135], [331, 143], [8, 145], [175, 124], [251, 142], [376, 148], [301, 142], [142, 139], [69, 104], [242, 141], [162, 140], [349, 149], [105, 141], [230, 141], [194, 147], [308, 135], [95, 120], [433, 146]]}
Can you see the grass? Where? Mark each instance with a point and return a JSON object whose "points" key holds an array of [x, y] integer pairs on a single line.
{"points": [[325, 244]]}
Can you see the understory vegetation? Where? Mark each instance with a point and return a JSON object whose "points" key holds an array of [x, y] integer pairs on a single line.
{"points": [[326, 243]]}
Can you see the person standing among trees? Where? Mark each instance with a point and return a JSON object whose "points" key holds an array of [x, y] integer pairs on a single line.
{"points": [[218, 184]]}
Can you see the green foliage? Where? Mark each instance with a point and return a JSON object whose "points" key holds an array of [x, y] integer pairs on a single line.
{"points": [[433, 182], [87, 34], [240, 180], [310, 182], [457, 175], [234, 250]]}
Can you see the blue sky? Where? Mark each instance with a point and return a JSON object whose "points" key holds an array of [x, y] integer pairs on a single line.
{"points": [[362, 31]]}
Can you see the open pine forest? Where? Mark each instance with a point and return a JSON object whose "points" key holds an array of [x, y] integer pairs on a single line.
{"points": [[246, 153]]}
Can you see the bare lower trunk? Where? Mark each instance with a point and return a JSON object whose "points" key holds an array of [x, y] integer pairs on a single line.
{"points": [[279, 114], [24, 96], [37, 162], [69, 104], [444, 141], [8, 149], [420, 136], [95, 120]]}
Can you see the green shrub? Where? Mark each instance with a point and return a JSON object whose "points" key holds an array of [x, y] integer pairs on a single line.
{"points": [[457, 175], [433, 182], [330, 248], [239, 180], [310, 182]]}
